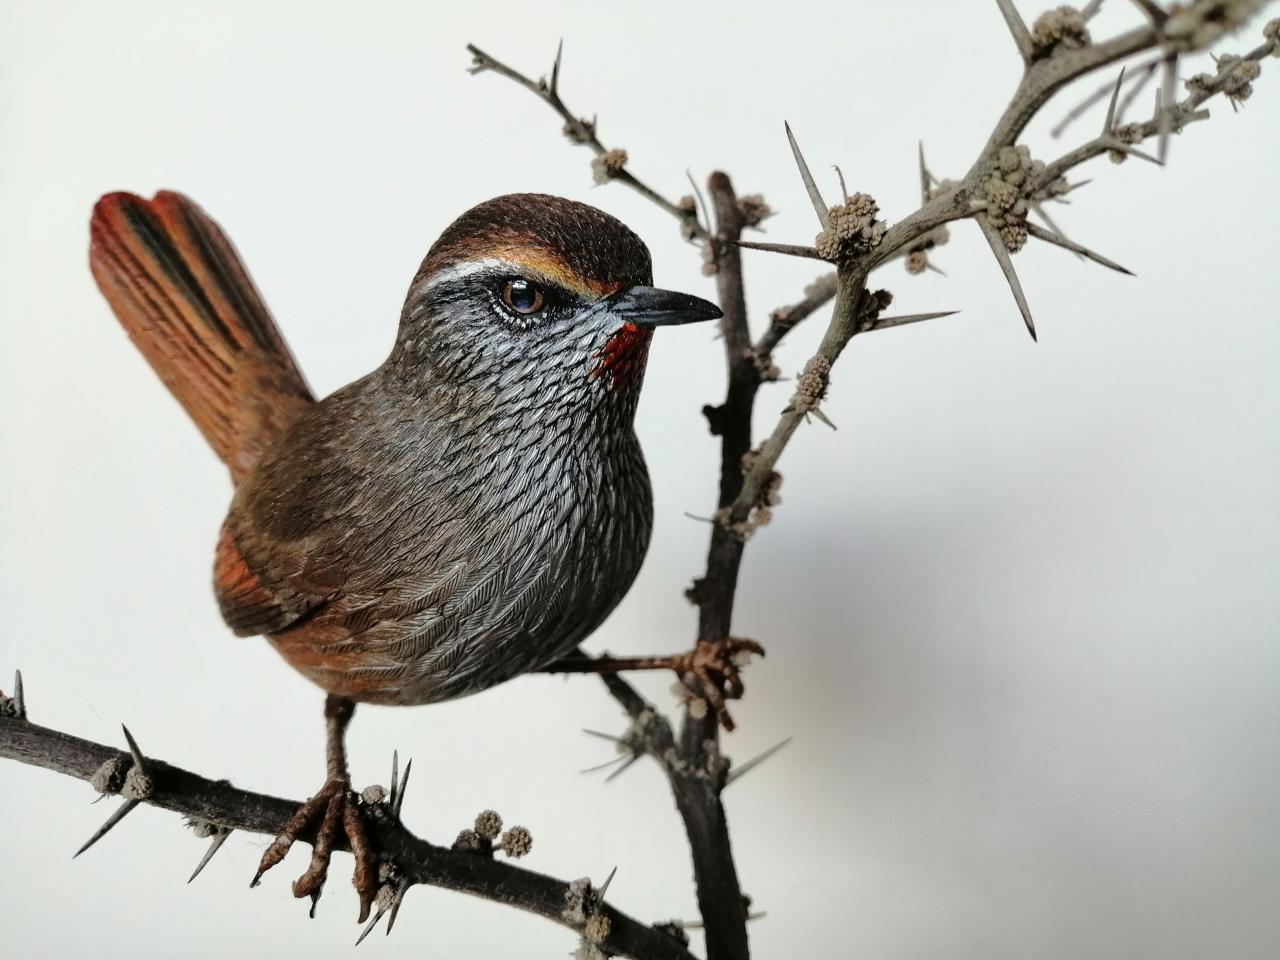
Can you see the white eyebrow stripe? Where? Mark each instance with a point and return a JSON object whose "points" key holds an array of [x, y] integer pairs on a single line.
{"points": [[470, 268]]}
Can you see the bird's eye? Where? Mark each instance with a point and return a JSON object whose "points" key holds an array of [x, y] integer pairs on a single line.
{"points": [[522, 297]]}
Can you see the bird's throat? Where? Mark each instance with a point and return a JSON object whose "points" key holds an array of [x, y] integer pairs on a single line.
{"points": [[620, 363]]}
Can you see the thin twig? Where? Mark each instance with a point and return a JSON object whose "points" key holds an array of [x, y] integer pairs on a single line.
{"points": [[582, 131]]}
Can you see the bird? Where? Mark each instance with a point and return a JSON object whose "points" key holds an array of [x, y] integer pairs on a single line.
{"points": [[469, 511]]}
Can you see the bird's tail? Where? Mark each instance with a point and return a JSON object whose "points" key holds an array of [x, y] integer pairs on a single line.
{"points": [[182, 294]]}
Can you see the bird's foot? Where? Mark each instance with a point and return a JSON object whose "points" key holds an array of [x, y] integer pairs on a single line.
{"points": [[711, 670], [332, 814]]}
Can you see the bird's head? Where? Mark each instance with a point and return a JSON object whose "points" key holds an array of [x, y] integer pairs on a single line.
{"points": [[527, 292]]}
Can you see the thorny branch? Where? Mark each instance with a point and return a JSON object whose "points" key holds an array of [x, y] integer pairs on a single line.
{"points": [[1002, 186], [217, 808]]}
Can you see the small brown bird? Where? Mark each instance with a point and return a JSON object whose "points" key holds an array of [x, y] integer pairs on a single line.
{"points": [[469, 511]]}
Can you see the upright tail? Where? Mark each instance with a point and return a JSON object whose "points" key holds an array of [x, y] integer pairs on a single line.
{"points": [[180, 291]]}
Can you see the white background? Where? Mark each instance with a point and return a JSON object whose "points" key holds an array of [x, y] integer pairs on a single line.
{"points": [[1021, 608]]}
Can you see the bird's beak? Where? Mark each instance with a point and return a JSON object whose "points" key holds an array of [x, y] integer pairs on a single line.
{"points": [[650, 307]]}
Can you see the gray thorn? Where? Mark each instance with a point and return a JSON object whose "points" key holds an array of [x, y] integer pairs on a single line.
{"points": [[604, 888], [395, 907], [609, 736], [603, 766], [1017, 28], [368, 927], [117, 815], [1109, 124], [395, 777], [555, 86], [214, 846], [760, 758], [404, 783], [622, 769], [1005, 261], [19, 698], [786, 249], [1039, 210], [815, 196], [139, 760], [1078, 249]]}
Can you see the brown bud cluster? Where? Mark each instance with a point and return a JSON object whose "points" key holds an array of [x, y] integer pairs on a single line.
{"points": [[1006, 192], [852, 229], [608, 165], [1060, 29], [1234, 78], [579, 131], [517, 842], [1271, 33], [754, 210]]}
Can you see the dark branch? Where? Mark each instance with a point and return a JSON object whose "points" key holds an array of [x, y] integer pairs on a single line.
{"points": [[420, 862]]}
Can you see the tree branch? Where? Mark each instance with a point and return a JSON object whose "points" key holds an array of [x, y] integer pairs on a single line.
{"points": [[583, 131], [416, 860]]}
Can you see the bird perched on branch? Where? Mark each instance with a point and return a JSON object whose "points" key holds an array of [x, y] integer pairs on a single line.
{"points": [[469, 511]]}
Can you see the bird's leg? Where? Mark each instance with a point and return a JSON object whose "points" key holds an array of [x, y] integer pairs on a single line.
{"points": [[332, 813], [710, 669]]}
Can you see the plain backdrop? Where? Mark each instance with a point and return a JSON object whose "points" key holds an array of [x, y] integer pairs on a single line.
{"points": [[1021, 608]]}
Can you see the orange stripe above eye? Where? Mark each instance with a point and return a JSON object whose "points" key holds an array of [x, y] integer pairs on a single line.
{"points": [[523, 251]]}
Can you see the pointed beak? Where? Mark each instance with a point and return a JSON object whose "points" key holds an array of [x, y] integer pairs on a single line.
{"points": [[650, 307]]}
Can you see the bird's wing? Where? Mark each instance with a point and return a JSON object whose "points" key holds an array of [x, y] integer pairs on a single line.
{"points": [[182, 294]]}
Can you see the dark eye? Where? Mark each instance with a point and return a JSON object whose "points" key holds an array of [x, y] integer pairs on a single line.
{"points": [[523, 297]]}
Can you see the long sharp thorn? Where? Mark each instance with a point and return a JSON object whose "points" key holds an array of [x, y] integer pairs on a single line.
{"points": [[19, 697], [901, 321], [395, 777], [555, 86], [622, 769], [1080, 250], [1017, 28], [1168, 101], [1141, 155], [755, 761], [815, 196], [1006, 267], [395, 907], [605, 765], [1072, 187], [934, 268], [1109, 124], [787, 249], [117, 815], [1043, 214], [604, 887], [139, 760], [368, 927], [924, 174], [1091, 9], [404, 784], [214, 846], [603, 736]]}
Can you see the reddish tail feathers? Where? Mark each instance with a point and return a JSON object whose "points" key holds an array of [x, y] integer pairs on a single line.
{"points": [[179, 289]]}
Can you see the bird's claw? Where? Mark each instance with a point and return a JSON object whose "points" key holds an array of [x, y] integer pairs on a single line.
{"points": [[332, 813], [711, 670]]}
